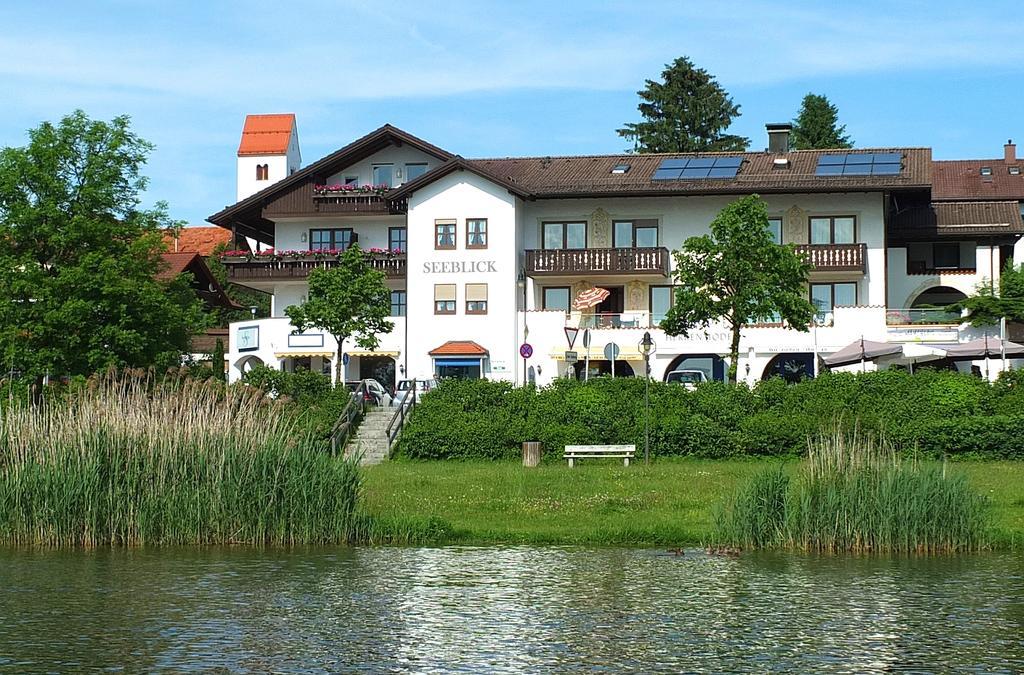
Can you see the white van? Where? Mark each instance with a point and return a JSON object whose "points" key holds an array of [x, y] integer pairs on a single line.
{"points": [[688, 378]]}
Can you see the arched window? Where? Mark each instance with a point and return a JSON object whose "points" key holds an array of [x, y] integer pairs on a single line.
{"points": [[262, 172]]}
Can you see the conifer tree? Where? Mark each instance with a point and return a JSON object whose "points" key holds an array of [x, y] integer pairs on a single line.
{"points": [[687, 111], [817, 127]]}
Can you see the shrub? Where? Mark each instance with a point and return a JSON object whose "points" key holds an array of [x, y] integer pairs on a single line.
{"points": [[936, 414]]}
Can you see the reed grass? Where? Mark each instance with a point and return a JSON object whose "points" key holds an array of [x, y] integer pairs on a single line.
{"points": [[856, 494], [133, 461]]}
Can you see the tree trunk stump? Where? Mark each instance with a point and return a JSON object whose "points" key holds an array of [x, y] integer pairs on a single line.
{"points": [[531, 453]]}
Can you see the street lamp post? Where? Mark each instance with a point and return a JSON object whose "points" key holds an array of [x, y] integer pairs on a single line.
{"points": [[521, 282], [647, 348]]}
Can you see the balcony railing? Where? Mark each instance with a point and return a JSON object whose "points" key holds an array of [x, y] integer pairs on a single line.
{"points": [[835, 257], [289, 267], [339, 202], [921, 317], [597, 261]]}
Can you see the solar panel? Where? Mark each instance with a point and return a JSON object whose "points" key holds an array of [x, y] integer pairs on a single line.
{"points": [[860, 164], [696, 168]]}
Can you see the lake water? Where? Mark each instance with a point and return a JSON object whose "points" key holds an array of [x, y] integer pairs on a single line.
{"points": [[506, 609]]}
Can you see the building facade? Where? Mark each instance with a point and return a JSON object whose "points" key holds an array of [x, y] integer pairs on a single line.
{"points": [[484, 256]]}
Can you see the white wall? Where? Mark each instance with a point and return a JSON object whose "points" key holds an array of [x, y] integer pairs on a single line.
{"points": [[459, 196], [372, 230], [904, 288], [398, 156]]}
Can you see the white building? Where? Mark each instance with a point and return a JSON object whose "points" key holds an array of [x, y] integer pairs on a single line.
{"points": [[485, 255]]}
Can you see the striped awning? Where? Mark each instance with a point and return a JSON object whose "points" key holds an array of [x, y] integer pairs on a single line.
{"points": [[300, 354], [367, 353]]}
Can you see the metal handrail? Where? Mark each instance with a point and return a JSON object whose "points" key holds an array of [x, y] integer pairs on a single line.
{"points": [[352, 411], [401, 415]]}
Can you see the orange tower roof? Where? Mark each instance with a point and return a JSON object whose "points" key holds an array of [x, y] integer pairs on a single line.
{"points": [[266, 134]]}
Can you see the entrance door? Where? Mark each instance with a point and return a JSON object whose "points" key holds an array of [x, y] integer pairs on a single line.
{"points": [[380, 368]]}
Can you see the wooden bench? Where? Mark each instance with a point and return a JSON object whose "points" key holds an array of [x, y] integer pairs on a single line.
{"points": [[623, 452]]}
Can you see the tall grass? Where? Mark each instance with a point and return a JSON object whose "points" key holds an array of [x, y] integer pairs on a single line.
{"points": [[131, 461], [856, 494]]}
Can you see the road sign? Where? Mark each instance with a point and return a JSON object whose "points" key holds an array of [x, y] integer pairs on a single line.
{"points": [[344, 359], [526, 350], [586, 338], [571, 357], [570, 335], [611, 351]]}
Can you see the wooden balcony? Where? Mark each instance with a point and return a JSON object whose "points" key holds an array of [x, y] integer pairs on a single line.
{"points": [[278, 269], [330, 203], [567, 262], [835, 257]]}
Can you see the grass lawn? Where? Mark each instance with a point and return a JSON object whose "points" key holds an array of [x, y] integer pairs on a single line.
{"points": [[671, 502]]}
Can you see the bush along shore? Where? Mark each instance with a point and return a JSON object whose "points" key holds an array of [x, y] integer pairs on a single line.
{"points": [[933, 414], [134, 461], [855, 494]]}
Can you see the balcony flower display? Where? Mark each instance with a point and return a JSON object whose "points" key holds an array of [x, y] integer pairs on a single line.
{"points": [[271, 254], [356, 190]]}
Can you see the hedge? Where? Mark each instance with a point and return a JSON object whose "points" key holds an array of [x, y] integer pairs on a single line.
{"points": [[939, 414]]}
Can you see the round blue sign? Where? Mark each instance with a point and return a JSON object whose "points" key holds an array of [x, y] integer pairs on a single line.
{"points": [[526, 350], [344, 359]]}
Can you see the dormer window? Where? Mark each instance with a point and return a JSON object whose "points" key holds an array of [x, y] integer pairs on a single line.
{"points": [[620, 168], [262, 172], [986, 171], [1014, 170]]}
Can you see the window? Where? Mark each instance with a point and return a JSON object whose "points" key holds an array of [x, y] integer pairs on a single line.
{"points": [[476, 298], [351, 180], [557, 298], [986, 171], [476, 233], [414, 171], [331, 240], [444, 298], [262, 172], [946, 255], [620, 168], [826, 297], [660, 301], [383, 174], [444, 235], [636, 233], [833, 230], [397, 303], [775, 228], [564, 235], [397, 240], [1014, 170]]}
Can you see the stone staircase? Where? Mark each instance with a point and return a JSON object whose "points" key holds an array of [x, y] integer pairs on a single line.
{"points": [[371, 437]]}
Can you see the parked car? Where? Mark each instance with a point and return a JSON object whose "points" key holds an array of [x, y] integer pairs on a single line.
{"points": [[688, 378], [375, 393], [405, 386]]}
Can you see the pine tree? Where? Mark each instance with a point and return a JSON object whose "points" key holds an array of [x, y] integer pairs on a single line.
{"points": [[817, 127], [686, 112]]}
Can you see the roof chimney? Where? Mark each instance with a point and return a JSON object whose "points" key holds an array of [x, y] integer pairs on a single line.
{"points": [[1010, 152], [778, 136]]}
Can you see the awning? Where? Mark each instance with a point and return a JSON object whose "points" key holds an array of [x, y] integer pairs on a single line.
{"points": [[285, 355], [591, 297], [861, 350], [366, 353], [457, 362]]}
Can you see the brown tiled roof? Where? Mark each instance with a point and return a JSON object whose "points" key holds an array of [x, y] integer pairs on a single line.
{"points": [[961, 179], [266, 134], [554, 177], [176, 264], [958, 218], [204, 283], [201, 240], [459, 348]]}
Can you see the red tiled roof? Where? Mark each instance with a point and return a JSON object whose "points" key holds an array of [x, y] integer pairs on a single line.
{"points": [[459, 348], [962, 179], [176, 264], [554, 177], [266, 134], [201, 240]]}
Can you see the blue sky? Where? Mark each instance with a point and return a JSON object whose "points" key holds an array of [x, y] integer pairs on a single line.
{"points": [[495, 79]]}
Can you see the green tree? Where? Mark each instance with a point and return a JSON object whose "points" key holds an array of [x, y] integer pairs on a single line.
{"points": [[817, 127], [79, 258], [989, 305], [738, 275], [247, 297], [687, 111], [348, 300]]}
